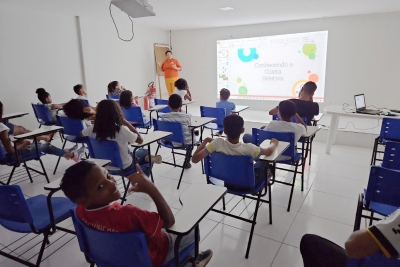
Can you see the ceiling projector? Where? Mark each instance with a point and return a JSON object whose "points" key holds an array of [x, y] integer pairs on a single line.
{"points": [[134, 8]]}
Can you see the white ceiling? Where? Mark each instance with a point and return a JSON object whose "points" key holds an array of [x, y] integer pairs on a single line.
{"points": [[191, 14]]}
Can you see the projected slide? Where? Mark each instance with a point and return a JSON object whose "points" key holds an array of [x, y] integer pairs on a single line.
{"points": [[272, 67]]}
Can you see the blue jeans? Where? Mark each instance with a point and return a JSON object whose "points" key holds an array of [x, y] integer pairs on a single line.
{"points": [[247, 138], [31, 150], [140, 156]]}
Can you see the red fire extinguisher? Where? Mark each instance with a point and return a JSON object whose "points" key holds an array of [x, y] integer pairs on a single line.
{"points": [[151, 94]]}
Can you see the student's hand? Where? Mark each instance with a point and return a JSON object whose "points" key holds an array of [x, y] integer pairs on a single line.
{"points": [[89, 110], [274, 142], [139, 139], [208, 140], [140, 183]]}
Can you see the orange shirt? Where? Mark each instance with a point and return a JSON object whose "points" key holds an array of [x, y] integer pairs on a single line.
{"points": [[170, 72]]}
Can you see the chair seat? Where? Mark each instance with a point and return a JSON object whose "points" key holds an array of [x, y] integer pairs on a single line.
{"points": [[76, 139], [381, 209], [40, 213], [117, 171], [47, 123], [143, 125], [182, 256], [234, 191], [23, 159], [214, 126], [168, 144], [288, 160]]}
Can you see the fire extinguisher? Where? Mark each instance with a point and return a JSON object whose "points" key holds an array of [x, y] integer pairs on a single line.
{"points": [[151, 94]]}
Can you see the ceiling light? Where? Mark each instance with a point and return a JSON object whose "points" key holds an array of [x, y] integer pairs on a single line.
{"points": [[228, 8]]}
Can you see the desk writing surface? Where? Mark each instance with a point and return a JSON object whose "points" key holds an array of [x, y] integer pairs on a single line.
{"points": [[56, 183], [311, 130], [187, 102], [239, 109], [200, 121], [14, 115], [157, 107], [41, 131], [282, 146], [196, 202], [338, 110], [318, 117], [152, 137]]}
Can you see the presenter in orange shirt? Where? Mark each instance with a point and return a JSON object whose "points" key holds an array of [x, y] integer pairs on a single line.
{"points": [[170, 67]]}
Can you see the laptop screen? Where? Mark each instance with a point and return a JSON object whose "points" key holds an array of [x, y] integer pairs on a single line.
{"points": [[360, 101]]}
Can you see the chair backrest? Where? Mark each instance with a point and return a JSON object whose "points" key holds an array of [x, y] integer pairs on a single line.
{"points": [[71, 127], [377, 259], [390, 129], [13, 205], [217, 113], [383, 186], [391, 158], [162, 102], [170, 126], [258, 136], [105, 150], [41, 112], [238, 170], [86, 101], [305, 119], [112, 96], [133, 114], [112, 249]]}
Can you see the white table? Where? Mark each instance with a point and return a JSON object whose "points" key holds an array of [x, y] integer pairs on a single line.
{"points": [[282, 146], [38, 132], [317, 118], [239, 109], [10, 116], [187, 102], [197, 122], [336, 112], [147, 141], [196, 201], [156, 108]]}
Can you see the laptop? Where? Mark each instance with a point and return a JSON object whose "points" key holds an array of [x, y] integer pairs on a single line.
{"points": [[361, 106]]}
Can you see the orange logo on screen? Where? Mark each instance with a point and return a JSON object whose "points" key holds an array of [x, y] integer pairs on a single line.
{"points": [[312, 78]]}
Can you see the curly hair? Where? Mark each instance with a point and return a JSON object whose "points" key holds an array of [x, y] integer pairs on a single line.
{"points": [[42, 95], [74, 109], [125, 99], [108, 121], [111, 86], [181, 84]]}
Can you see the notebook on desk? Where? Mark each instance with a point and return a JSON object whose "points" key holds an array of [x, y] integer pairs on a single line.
{"points": [[361, 107]]}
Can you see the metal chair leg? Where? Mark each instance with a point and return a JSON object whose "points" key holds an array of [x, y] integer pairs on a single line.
{"points": [[45, 240], [291, 190], [29, 173], [44, 171], [373, 158], [187, 158], [59, 158], [223, 203], [11, 175], [253, 224], [270, 203]]}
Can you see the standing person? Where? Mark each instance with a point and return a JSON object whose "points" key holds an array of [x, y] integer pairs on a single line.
{"points": [[170, 67]]}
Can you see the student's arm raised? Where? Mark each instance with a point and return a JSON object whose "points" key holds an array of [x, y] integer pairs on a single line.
{"points": [[57, 106], [201, 152], [141, 183], [273, 111]]}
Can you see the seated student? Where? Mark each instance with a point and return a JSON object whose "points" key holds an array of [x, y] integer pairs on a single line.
{"points": [[45, 98], [305, 105], [126, 100], [286, 112], [26, 147], [233, 128], [182, 89], [224, 95], [97, 195], [175, 103], [79, 110], [17, 129], [80, 91], [379, 244], [109, 125], [114, 88]]}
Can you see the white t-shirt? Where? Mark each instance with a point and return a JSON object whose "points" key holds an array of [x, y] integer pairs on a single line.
{"points": [[3, 127], [240, 149], [52, 112], [82, 97], [186, 122], [284, 126], [182, 93], [123, 138]]}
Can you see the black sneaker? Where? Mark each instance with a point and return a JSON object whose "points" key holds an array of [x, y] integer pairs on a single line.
{"points": [[204, 258]]}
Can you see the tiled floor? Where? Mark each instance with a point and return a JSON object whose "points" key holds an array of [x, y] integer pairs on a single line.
{"points": [[325, 207]]}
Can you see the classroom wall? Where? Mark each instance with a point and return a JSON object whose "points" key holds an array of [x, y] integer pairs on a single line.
{"points": [[362, 57], [57, 51]]}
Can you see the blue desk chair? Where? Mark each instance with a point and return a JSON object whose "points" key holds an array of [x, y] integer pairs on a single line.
{"points": [[112, 97], [381, 196], [302, 140], [109, 150], [31, 215], [72, 130], [15, 163], [178, 137], [289, 156], [135, 116], [390, 131], [238, 171], [217, 113], [378, 259], [161, 112], [42, 115], [391, 157], [86, 101], [105, 250]]}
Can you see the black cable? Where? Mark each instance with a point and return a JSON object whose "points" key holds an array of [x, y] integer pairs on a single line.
{"points": [[133, 34]]}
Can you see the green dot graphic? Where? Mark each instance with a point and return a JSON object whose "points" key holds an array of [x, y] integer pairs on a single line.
{"points": [[239, 80], [242, 90], [311, 56]]}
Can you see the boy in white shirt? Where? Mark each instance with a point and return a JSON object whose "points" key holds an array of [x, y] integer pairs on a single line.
{"points": [[287, 110], [233, 128], [80, 91]]}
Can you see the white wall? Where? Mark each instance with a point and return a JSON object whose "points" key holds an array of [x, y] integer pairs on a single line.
{"points": [[106, 58], [36, 50], [363, 57]]}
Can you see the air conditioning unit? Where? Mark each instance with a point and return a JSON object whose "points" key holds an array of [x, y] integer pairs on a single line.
{"points": [[134, 8]]}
